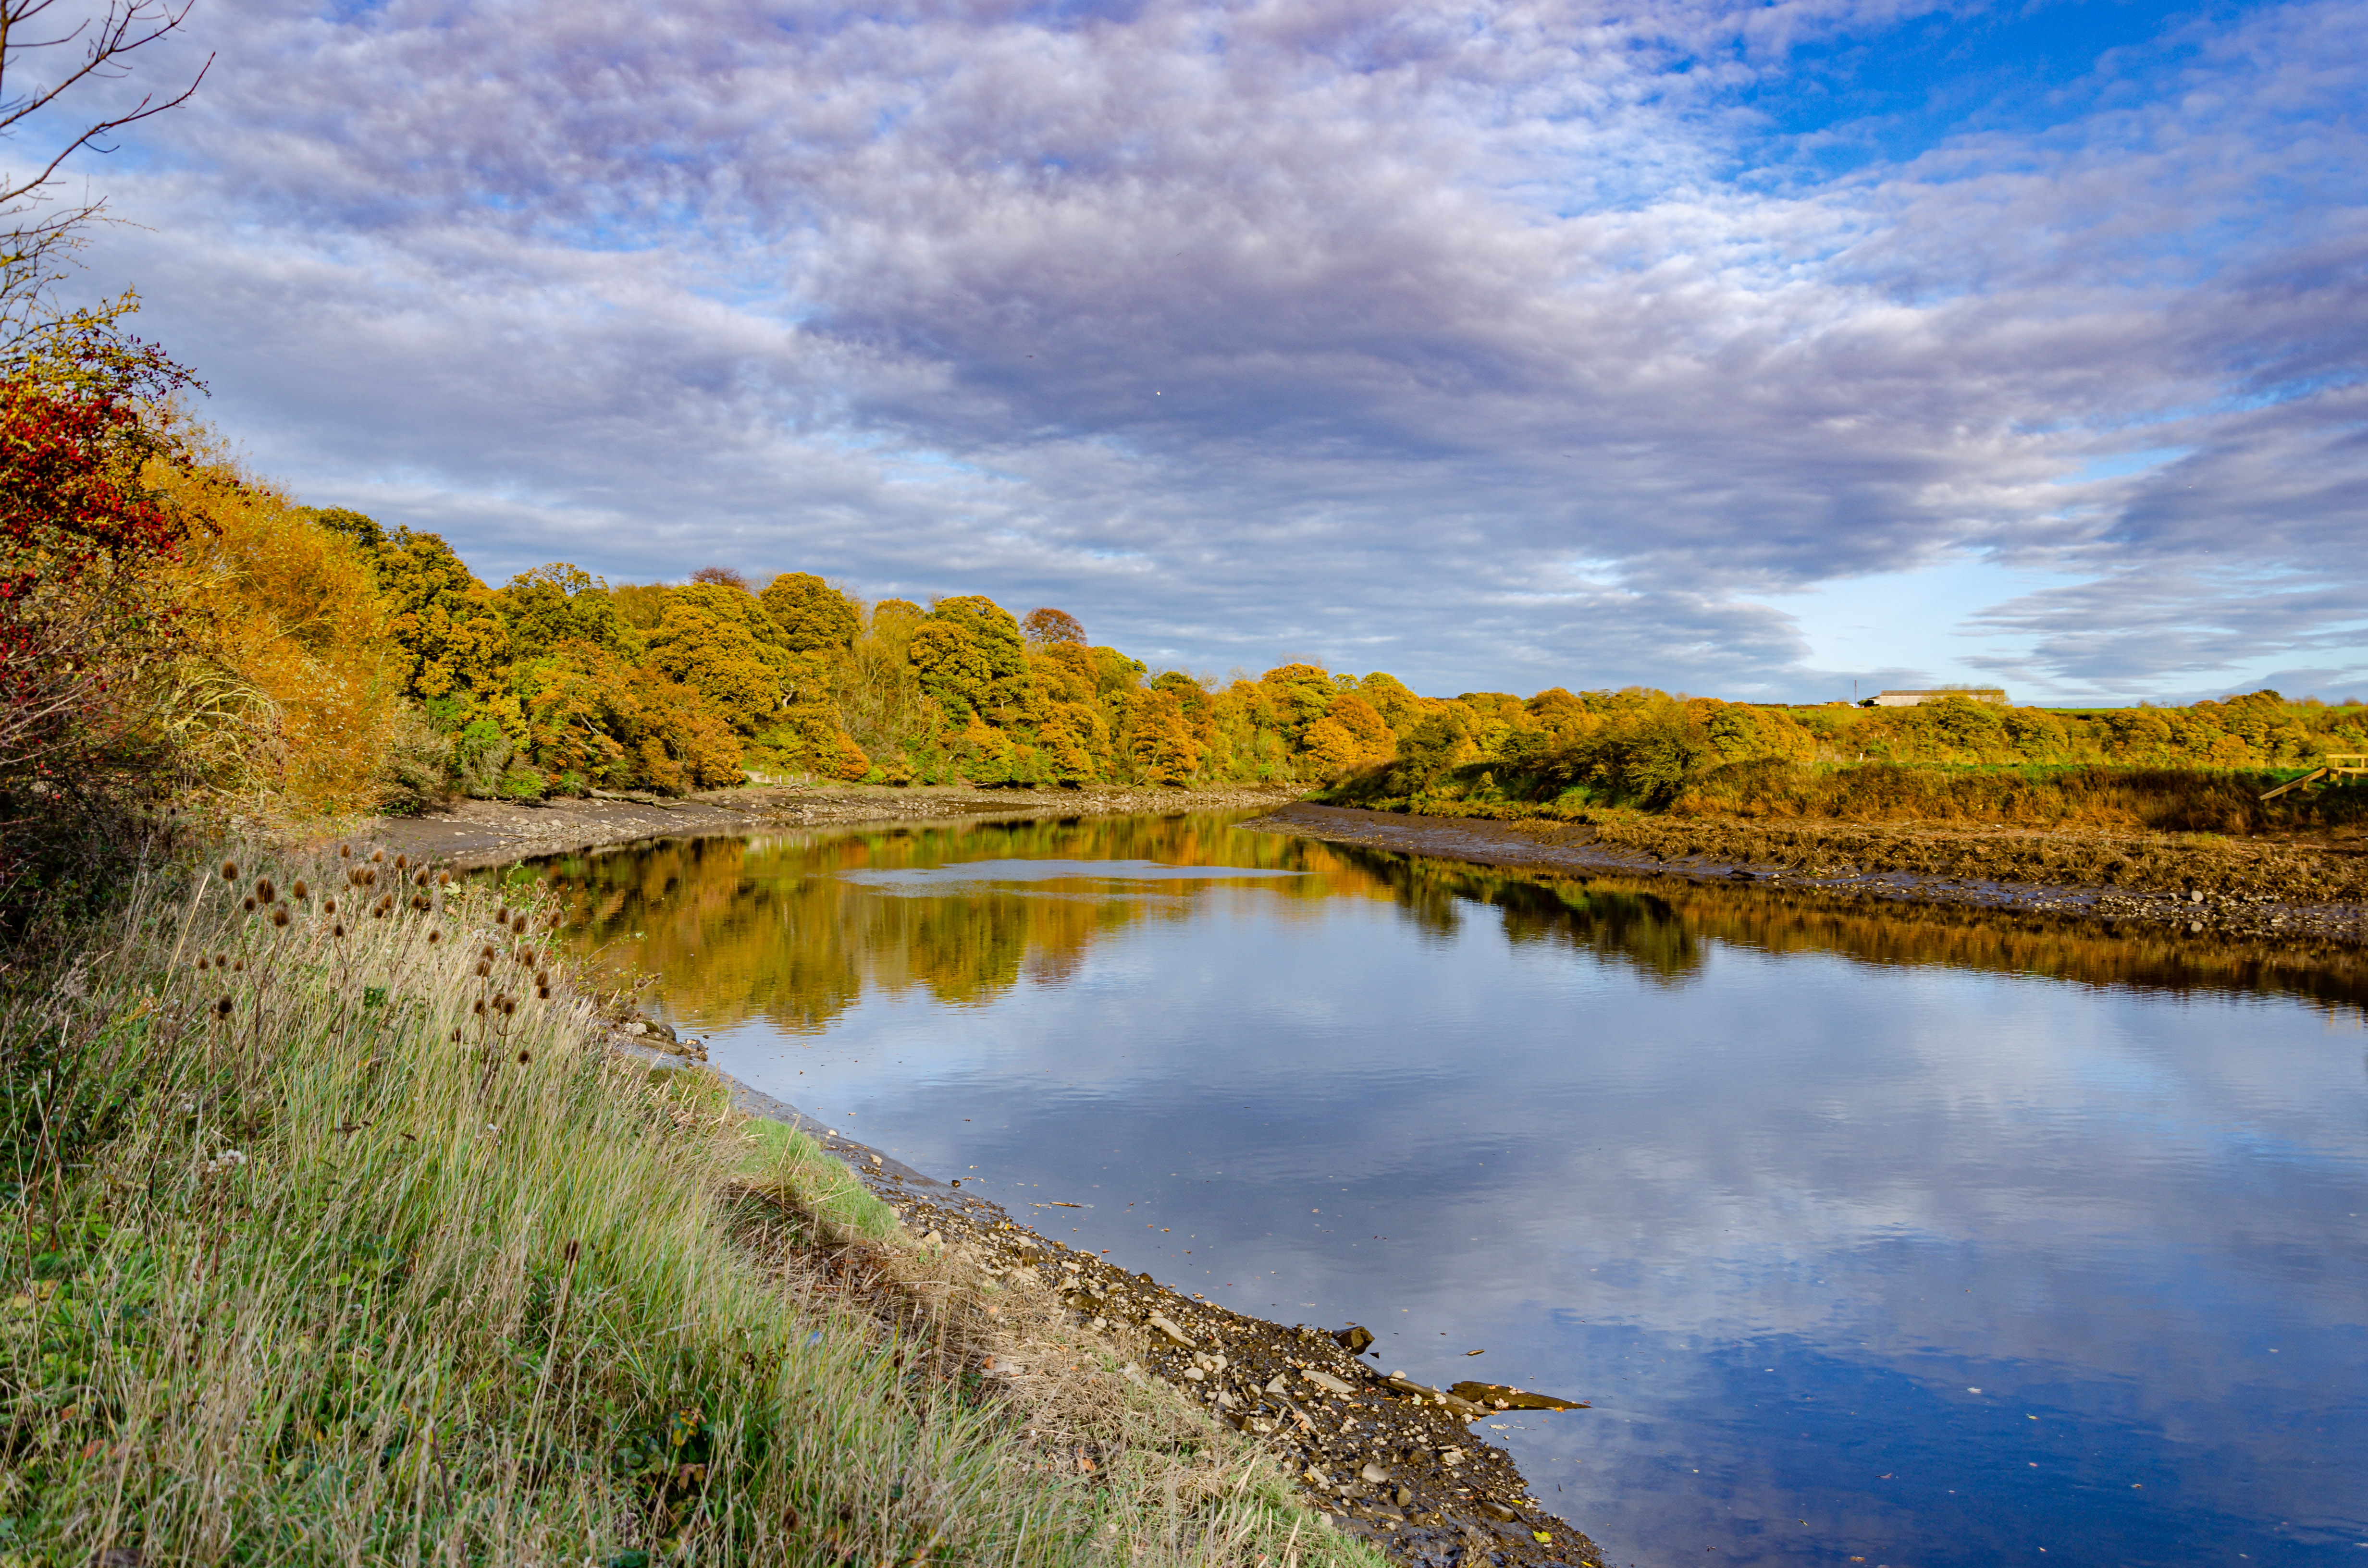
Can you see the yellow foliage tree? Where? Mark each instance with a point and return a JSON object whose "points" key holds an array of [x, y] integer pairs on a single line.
{"points": [[285, 614]]}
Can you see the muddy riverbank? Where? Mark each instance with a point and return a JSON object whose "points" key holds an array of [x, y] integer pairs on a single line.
{"points": [[2310, 895]]}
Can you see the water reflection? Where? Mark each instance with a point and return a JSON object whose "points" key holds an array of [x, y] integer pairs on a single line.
{"points": [[1868, 1236]]}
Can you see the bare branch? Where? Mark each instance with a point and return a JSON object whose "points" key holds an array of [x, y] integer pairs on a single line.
{"points": [[127, 26]]}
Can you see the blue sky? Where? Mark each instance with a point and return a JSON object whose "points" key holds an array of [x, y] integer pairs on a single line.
{"points": [[1749, 349]]}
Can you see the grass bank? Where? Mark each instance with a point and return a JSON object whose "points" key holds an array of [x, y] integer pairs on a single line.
{"points": [[334, 1236]]}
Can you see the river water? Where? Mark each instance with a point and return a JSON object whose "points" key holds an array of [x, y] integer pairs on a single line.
{"points": [[1911, 1239]]}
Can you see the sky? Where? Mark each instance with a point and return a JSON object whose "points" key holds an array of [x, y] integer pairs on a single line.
{"points": [[1770, 351]]}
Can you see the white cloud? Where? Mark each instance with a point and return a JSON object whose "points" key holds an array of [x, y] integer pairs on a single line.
{"points": [[1244, 329]]}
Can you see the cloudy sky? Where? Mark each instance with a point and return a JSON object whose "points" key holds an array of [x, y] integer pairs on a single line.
{"points": [[1754, 349]]}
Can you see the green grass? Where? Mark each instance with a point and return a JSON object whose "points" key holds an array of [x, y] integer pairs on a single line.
{"points": [[331, 1242]]}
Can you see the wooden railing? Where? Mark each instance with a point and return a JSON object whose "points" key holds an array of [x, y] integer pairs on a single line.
{"points": [[2334, 764]]}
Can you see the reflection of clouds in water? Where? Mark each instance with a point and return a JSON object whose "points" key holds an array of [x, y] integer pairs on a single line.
{"points": [[940, 881], [2047, 1190], [1597, 1127]]}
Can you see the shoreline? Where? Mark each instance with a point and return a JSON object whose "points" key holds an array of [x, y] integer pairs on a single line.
{"points": [[1380, 1457], [1557, 849]]}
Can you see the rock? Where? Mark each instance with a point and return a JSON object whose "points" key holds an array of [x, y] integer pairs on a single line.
{"points": [[1403, 1496], [1326, 1381], [1374, 1475], [1277, 1386], [1159, 1322], [1498, 1396], [1194, 1375], [1496, 1511], [1353, 1339]]}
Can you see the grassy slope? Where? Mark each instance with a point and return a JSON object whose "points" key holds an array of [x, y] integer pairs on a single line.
{"points": [[310, 1260]]}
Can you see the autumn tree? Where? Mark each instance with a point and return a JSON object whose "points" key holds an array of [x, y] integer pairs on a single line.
{"points": [[1046, 626]]}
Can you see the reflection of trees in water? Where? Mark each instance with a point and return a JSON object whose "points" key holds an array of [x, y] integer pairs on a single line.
{"points": [[1629, 926], [767, 926]]}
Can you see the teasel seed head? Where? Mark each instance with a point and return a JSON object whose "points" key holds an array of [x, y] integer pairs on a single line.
{"points": [[419, 901], [328, 906], [338, 929], [524, 1058], [230, 870], [370, 878], [484, 968], [478, 1007], [443, 879], [280, 914], [456, 1036], [345, 851], [250, 903], [401, 861], [300, 890], [265, 890], [434, 937], [542, 993], [223, 1006], [420, 880], [377, 856]]}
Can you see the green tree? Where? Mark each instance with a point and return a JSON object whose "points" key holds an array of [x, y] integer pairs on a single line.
{"points": [[812, 615]]}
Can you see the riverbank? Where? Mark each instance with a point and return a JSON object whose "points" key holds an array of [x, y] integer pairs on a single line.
{"points": [[466, 835], [2189, 884], [346, 1235]]}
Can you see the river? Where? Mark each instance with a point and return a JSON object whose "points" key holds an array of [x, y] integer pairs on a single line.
{"points": [[1915, 1241]]}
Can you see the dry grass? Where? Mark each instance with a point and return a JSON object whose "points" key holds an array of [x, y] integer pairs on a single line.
{"points": [[333, 1238]]}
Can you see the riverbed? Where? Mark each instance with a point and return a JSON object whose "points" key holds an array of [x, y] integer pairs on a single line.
{"points": [[1919, 1241]]}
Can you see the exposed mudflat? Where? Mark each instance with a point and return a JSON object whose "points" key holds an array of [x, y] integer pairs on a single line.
{"points": [[467, 834], [2175, 884]]}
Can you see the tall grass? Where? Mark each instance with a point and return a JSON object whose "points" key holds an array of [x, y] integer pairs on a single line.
{"points": [[334, 1238]]}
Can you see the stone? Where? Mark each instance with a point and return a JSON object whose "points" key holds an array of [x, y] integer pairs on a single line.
{"points": [[1326, 1380], [1403, 1496], [1498, 1397], [1354, 1339], [1194, 1375], [1277, 1386], [1160, 1322], [1496, 1511], [1374, 1475]]}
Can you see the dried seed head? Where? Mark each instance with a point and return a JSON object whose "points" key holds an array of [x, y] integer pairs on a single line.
{"points": [[572, 1251], [222, 961], [230, 870], [377, 856], [509, 1006], [300, 890], [401, 861], [250, 903], [328, 906], [370, 878], [542, 978], [280, 914], [338, 929], [237, 965], [524, 1058], [434, 937], [345, 851], [543, 991], [488, 954], [354, 877], [223, 1006], [419, 881], [478, 1007], [456, 1036], [502, 915], [419, 901], [443, 879], [264, 891]]}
